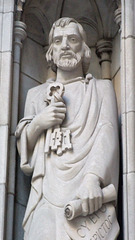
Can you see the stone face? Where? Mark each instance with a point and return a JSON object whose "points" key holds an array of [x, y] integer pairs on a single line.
{"points": [[64, 148]]}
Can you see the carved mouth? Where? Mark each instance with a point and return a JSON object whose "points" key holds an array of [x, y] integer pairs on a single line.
{"points": [[66, 55]]}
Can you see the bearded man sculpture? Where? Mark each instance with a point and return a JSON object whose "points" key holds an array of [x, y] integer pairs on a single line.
{"points": [[68, 141]]}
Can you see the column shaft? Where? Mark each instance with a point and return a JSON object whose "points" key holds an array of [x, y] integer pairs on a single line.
{"points": [[128, 115]]}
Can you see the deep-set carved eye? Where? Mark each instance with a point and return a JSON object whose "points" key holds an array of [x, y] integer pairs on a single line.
{"points": [[73, 40], [57, 41]]}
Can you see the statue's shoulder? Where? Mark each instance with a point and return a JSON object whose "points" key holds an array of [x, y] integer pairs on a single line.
{"points": [[103, 84], [100, 83]]}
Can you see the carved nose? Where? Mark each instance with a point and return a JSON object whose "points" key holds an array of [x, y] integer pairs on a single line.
{"points": [[65, 45]]}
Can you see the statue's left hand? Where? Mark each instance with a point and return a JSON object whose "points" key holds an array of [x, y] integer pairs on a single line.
{"points": [[91, 194]]}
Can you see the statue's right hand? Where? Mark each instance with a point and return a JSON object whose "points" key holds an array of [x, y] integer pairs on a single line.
{"points": [[52, 115]]}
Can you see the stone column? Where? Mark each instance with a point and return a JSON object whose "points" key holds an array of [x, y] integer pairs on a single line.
{"points": [[19, 36], [6, 42], [128, 115], [103, 50]]}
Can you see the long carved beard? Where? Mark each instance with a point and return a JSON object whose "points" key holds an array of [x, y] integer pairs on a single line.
{"points": [[68, 63]]}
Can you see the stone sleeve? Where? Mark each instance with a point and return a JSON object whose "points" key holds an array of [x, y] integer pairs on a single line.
{"points": [[27, 161], [104, 156]]}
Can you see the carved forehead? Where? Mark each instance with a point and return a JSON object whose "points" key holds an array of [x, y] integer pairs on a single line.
{"points": [[70, 29]]}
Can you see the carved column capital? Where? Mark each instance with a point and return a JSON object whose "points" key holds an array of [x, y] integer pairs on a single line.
{"points": [[103, 51], [20, 32], [117, 16]]}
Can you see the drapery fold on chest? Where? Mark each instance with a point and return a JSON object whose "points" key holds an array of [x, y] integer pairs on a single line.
{"points": [[84, 129], [92, 128], [86, 118]]}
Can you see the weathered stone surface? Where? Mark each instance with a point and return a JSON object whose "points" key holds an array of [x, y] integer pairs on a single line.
{"points": [[128, 16], [3, 153], [69, 143], [7, 32], [25, 84], [19, 214], [116, 83], [9, 6], [128, 198], [130, 117], [115, 58], [129, 74], [2, 209], [95, 68], [34, 63], [6, 6], [5, 90]]}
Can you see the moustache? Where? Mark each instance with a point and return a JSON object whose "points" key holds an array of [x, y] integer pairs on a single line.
{"points": [[72, 54]]}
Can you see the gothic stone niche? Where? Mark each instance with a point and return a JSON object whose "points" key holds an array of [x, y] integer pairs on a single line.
{"points": [[96, 17], [68, 142]]}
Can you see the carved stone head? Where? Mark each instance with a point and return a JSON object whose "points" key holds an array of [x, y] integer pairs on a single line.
{"points": [[68, 48]]}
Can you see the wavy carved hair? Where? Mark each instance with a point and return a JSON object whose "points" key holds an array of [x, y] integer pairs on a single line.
{"points": [[62, 22]]}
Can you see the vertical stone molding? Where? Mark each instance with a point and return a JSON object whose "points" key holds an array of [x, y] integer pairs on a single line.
{"points": [[103, 50], [19, 36], [128, 115], [6, 43]]}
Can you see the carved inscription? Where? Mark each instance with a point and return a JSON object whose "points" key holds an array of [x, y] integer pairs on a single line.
{"points": [[85, 228]]}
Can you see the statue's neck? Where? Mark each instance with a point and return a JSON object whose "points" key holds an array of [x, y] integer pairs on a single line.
{"points": [[65, 76]]}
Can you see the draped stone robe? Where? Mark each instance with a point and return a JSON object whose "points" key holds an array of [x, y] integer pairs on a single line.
{"points": [[92, 119]]}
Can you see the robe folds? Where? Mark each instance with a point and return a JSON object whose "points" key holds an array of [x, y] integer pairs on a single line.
{"points": [[92, 119]]}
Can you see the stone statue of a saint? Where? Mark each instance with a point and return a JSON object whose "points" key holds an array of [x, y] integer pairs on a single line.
{"points": [[68, 142]]}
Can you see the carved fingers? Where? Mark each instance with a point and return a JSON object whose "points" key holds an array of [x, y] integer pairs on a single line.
{"points": [[52, 115], [91, 194]]}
